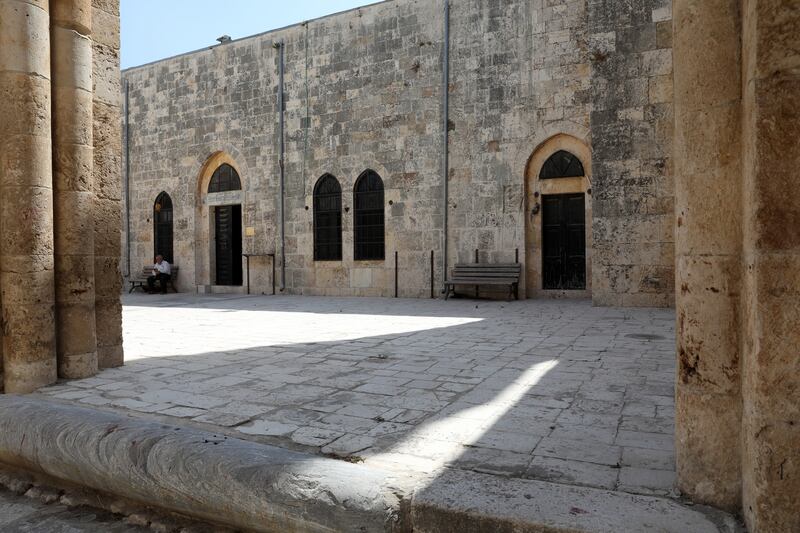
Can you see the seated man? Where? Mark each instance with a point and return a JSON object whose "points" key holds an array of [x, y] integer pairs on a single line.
{"points": [[161, 274]]}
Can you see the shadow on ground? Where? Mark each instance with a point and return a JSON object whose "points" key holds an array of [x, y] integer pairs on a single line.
{"points": [[550, 390]]}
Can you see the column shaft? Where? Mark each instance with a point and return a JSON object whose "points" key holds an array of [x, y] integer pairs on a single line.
{"points": [[107, 182], [73, 187], [708, 248], [26, 219], [771, 327]]}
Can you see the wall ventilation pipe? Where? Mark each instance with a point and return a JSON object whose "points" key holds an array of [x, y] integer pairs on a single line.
{"points": [[281, 46], [445, 135], [127, 133]]}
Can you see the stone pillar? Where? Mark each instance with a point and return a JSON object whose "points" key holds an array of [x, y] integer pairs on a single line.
{"points": [[73, 187], [707, 149], [771, 325], [26, 197], [107, 181]]}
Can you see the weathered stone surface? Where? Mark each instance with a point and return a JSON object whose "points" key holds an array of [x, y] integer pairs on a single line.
{"points": [[771, 323], [26, 213], [363, 90], [258, 487], [28, 513], [467, 502], [264, 488], [708, 144], [52, 182]]}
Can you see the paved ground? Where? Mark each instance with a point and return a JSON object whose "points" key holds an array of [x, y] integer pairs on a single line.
{"points": [[551, 390], [20, 514]]}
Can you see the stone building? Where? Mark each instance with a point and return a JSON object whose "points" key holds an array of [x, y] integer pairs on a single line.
{"points": [[365, 115], [684, 174], [60, 161], [532, 87]]}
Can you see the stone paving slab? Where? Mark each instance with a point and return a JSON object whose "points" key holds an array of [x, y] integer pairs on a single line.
{"points": [[259, 487], [465, 502], [553, 390], [20, 514]]}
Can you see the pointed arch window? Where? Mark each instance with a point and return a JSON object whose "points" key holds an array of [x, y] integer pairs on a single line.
{"points": [[369, 243], [562, 164], [327, 219], [162, 227], [225, 178]]}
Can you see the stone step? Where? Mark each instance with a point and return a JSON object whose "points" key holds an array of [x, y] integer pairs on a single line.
{"points": [[260, 487]]}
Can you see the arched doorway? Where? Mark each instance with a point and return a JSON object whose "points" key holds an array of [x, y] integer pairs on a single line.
{"points": [[219, 223], [227, 227], [162, 227], [558, 219]]}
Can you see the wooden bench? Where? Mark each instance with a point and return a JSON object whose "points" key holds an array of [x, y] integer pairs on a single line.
{"points": [[502, 274], [140, 281]]}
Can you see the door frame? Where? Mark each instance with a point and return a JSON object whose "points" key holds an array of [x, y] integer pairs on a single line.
{"points": [[213, 251], [534, 190], [564, 228], [204, 239]]}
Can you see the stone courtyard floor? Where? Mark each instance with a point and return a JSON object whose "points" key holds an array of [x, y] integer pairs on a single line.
{"points": [[552, 390]]}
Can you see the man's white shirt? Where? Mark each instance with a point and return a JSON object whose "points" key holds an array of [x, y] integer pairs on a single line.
{"points": [[164, 267]]}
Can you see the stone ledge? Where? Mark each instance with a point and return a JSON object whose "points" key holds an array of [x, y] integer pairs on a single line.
{"points": [[196, 473], [265, 488], [468, 502]]}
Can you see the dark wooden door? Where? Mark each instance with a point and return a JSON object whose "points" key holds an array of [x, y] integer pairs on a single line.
{"points": [[563, 242], [228, 233]]}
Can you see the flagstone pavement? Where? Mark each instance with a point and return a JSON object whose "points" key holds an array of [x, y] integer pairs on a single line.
{"points": [[553, 390]]}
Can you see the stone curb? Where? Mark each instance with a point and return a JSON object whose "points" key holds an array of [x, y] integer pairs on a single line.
{"points": [[240, 483], [265, 488], [467, 502]]}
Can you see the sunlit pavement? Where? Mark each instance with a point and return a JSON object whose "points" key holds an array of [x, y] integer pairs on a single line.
{"points": [[553, 390]]}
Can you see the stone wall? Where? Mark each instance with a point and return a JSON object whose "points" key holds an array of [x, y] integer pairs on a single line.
{"points": [[363, 90], [59, 168], [631, 127], [738, 247]]}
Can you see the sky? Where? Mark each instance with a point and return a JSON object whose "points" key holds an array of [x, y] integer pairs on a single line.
{"points": [[155, 29]]}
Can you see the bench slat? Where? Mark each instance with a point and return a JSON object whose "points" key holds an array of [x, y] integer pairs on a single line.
{"points": [[477, 274], [472, 271], [488, 265], [482, 281]]}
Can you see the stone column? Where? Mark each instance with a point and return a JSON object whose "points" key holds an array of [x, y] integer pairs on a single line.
{"points": [[107, 181], [708, 236], [73, 187], [771, 326], [26, 198]]}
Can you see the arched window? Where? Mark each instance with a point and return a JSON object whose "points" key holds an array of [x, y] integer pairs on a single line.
{"points": [[327, 219], [561, 164], [162, 226], [225, 178], [369, 230]]}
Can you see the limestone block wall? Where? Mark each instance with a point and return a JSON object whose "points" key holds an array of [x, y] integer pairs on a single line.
{"points": [[364, 90], [738, 243], [630, 47], [48, 179], [107, 183], [771, 266], [708, 246]]}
